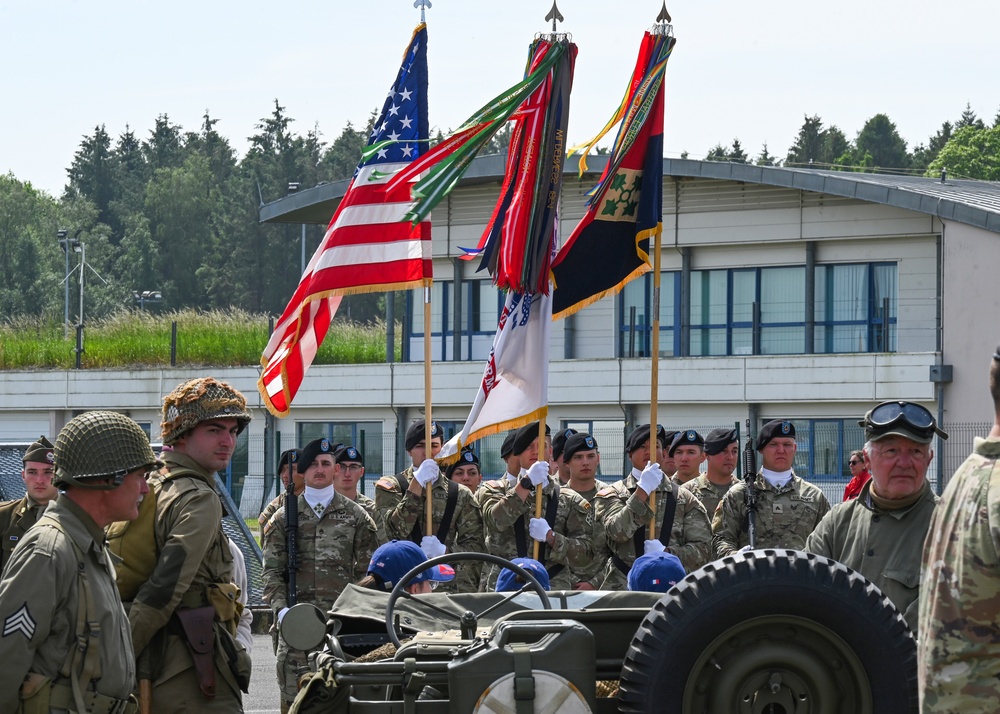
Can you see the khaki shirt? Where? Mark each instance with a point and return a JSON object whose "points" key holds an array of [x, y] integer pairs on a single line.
{"points": [[884, 546], [785, 516], [398, 512], [39, 601], [16, 517], [958, 669]]}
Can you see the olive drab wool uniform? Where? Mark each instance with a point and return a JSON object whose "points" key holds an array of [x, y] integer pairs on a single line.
{"points": [[883, 545], [16, 517], [785, 516], [193, 555], [958, 669], [573, 525], [401, 515], [40, 601], [710, 494], [333, 548], [624, 517]]}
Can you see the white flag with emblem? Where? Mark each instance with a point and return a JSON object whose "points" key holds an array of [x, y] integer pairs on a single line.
{"points": [[515, 385]]}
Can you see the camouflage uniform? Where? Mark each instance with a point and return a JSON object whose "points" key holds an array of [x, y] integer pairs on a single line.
{"points": [[958, 666], [268, 513], [710, 494], [333, 550], [573, 527], [16, 517], [622, 513], [884, 546], [369, 506], [594, 573], [399, 512], [193, 554], [785, 516], [40, 595]]}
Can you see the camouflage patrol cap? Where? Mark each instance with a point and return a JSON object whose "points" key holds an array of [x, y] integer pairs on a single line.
{"points": [[40, 452], [100, 445], [199, 400]]}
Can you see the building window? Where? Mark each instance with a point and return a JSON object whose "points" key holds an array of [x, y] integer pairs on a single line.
{"points": [[635, 305], [481, 305], [856, 308]]}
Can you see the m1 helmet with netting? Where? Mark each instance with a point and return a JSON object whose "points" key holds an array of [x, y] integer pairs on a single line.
{"points": [[199, 400], [101, 445]]}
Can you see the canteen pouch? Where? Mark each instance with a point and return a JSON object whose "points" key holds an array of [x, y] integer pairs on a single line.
{"points": [[34, 695], [224, 598]]}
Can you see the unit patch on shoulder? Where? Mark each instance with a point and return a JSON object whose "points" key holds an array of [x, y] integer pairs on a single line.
{"points": [[606, 492], [386, 483], [20, 621]]}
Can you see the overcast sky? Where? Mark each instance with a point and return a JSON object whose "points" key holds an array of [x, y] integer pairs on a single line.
{"points": [[740, 69]]}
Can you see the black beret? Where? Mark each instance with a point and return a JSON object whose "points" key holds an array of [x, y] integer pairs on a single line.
{"points": [[289, 457], [313, 449], [776, 428], [640, 435], [466, 458], [559, 442], [508, 444], [40, 452], [525, 435], [349, 453], [718, 439], [689, 437], [579, 442], [415, 434]]}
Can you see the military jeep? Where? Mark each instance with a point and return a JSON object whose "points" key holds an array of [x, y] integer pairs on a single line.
{"points": [[766, 631]]}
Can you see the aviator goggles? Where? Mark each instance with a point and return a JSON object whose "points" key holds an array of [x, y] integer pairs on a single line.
{"points": [[912, 417]]}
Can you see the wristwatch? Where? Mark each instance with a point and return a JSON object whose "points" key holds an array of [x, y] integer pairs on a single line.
{"points": [[526, 484]]}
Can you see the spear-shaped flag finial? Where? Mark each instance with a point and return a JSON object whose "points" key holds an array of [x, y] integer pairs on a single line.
{"points": [[422, 4], [664, 16], [555, 16]]}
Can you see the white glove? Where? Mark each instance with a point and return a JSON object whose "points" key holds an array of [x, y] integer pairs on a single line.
{"points": [[427, 472], [281, 614], [651, 478], [538, 472], [432, 547], [539, 528], [653, 546], [744, 549]]}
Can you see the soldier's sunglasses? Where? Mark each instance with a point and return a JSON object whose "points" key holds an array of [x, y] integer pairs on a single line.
{"points": [[914, 416]]}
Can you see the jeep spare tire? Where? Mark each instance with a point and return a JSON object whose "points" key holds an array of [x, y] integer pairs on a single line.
{"points": [[771, 631]]}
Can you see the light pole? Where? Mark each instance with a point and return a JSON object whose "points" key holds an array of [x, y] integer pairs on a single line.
{"points": [[67, 244], [293, 186]]}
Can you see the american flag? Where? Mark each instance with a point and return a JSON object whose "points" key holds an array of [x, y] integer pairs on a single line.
{"points": [[368, 246]]}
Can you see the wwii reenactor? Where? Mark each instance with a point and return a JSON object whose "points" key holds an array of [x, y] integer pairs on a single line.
{"points": [[66, 643], [682, 526], [881, 533], [335, 538], [190, 597], [788, 508], [957, 665], [287, 472], [457, 526], [565, 532], [722, 451], [17, 516], [687, 449]]}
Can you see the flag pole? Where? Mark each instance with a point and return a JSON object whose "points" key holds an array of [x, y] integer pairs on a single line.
{"points": [[428, 497], [538, 489]]}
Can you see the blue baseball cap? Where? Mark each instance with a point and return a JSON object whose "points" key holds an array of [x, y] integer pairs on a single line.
{"points": [[655, 572], [508, 579], [392, 560]]}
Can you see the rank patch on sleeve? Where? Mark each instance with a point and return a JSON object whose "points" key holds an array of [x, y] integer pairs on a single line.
{"points": [[20, 621]]}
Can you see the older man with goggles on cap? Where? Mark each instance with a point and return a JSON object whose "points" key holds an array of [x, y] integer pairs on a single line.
{"points": [[881, 533]]}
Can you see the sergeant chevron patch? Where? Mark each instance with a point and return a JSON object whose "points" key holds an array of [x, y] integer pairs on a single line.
{"points": [[20, 621]]}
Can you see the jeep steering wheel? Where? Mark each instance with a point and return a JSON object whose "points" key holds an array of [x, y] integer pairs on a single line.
{"points": [[469, 619]]}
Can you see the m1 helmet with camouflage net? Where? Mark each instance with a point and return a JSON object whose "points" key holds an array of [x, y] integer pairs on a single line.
{"points": [[101, 445], [199, 400]]}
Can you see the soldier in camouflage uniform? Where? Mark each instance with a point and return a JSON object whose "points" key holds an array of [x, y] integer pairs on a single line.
{"points": [[624, 511], [201, 420], [349, 470], [465, 470], [286, 472], [61, 575], [565, 532], [457, 526], [788, 508], [687, 449], [582, 459], [559, 467], [17, 516], [335, 540], [958, 670], [881, 533], [721, 454]]}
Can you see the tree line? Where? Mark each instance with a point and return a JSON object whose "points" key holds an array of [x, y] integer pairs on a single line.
{"points": [[177, 211]]}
